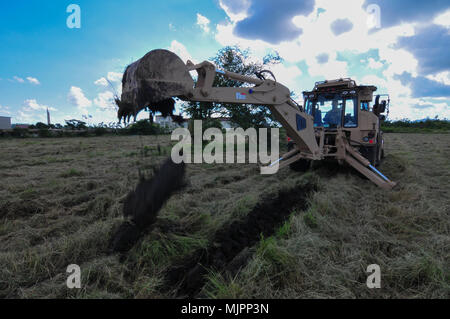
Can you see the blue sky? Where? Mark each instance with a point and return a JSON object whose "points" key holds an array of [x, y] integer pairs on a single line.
{"points": [[44, 64]]}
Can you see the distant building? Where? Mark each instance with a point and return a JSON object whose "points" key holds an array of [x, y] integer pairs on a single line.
{"points": [[5, 123], [169, 123]]}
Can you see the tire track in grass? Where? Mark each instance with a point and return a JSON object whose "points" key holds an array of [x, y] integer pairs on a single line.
{"points": [[189, 275]]}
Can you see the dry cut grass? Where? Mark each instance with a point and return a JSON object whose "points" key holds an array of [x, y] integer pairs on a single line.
{"points": [[61, 199]]}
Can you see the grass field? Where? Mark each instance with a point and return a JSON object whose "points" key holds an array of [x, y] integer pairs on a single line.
{"points": [[289, 235]]}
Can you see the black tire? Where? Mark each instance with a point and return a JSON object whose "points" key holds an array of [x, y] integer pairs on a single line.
{"points": [[381, 146], [290, 146], [380, 149], [371, 154], [301, 165]]}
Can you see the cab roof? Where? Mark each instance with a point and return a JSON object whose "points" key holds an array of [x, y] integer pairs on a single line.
{"points": [[340, 84]]}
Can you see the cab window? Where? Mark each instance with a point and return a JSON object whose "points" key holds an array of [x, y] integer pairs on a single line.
{"points": [[350, 119], [309, 106], [365, 106], [328, 112]]}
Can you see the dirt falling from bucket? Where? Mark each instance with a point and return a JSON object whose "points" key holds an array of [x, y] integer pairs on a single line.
{"points": [[142, 204], [264, 219]]}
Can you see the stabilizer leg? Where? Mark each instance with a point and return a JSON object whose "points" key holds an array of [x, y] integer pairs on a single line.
{"points": [[363, 166]]}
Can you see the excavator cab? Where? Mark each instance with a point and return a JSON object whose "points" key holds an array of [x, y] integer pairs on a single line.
{"points": [[333, 104], [327, 110], [341, 105]]}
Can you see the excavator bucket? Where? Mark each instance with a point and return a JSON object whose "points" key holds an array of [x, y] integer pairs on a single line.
{"points": [[152, 81]]}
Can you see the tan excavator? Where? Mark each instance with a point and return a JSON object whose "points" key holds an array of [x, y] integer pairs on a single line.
{"points": [[336, 121]]}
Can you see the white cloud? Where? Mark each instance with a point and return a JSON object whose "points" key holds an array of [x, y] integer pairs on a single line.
{"points": [[374, 64], [287, 75], [114, 76], [414, 108], [229, 10], [172, 27], [24, 117], [380, 83], [399, 61], [317, 35], [18, 79], [33, 80], [30, 79], [76, 97], [105, 100], [203, 22], [101, 82], [180, 50], [106, 115], [32, 112], [112, 79], [33, 105], [317, 38], [5, 109], [333, 69], [443, 19], [443, 77]]}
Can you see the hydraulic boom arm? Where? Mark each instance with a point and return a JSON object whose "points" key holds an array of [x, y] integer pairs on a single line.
{"points": [[270, 93]]}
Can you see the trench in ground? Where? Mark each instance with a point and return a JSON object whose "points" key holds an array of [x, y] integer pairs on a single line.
{"points": [[189, 275]]}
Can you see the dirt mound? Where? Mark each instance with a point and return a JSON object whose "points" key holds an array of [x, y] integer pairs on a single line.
{"points": [[142, 205], [230, 241]]}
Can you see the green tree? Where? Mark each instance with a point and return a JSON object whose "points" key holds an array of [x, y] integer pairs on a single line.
{"points": [[76, 124], [145, 127], [41, 126], [235, 59]]}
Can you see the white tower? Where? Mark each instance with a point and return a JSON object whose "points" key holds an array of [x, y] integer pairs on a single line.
{"points": [[48, 118]]}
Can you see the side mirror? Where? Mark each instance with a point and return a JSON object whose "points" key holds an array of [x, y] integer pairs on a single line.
{"points": [[382, 107]]}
